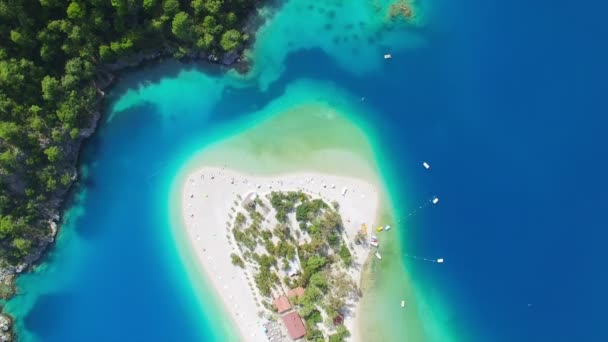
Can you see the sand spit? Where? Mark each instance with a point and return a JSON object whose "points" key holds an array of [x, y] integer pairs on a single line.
{"points": [[209, 203]]}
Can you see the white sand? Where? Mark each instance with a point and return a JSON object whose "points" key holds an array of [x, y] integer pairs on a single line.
{"points": [[208, 196]]}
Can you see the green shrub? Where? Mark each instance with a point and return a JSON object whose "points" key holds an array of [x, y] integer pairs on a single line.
{"points": [[237, 261]]}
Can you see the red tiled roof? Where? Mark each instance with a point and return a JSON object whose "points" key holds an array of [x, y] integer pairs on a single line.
{"points": [[294, 324], [282, 304], [298, 291]]}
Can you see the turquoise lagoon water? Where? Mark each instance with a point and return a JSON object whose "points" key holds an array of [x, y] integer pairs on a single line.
{"points": [[506, 112]]}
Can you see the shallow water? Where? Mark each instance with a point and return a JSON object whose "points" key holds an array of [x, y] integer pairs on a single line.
{"points": [[505, 101]]}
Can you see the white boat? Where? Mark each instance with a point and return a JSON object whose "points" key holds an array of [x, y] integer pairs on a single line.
{"points": [[435, 200], [374, 243], [374, 237], [378, 255], [344, 191], [402, 303], [388, 56], [426, 165], [440, 260], [387, 227]]}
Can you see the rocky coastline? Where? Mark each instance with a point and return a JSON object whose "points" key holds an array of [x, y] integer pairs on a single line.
{"points": [[106, 76], [55, 206]]}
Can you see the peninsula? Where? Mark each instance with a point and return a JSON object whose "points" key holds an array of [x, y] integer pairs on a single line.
{"points": [[285, 252]]}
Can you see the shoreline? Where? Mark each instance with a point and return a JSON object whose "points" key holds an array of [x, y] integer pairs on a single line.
{"points": [[205, 208], [108, 75]]}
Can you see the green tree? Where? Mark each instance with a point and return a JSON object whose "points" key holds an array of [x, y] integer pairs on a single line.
{"points": [[53, 153], [51, 88], [170, 7], [346, 255], [231, 19], [182, 26], [341, 334], [105, 52], [75, 11], [315, 263], [231, 39], [21, 38], [205, 42], [9, 131], [22, 245], [7, 226], [318, 280], [213, 6], [51, 3], [150, 5], [198, 6], [8, 160], [211, 26], [237, 261]]}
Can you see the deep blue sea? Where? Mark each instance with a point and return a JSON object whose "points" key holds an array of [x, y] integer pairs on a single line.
{"points": [[507, 102]]}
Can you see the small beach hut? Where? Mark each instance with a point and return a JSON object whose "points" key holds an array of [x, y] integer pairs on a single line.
{"points": [[281, 304], [294, 325]]}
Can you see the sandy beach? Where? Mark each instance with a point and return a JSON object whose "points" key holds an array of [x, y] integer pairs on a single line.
{"points": [[209, 199]]}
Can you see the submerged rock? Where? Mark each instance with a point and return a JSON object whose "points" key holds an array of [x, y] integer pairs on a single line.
{"points": [[6, 336], [230, 58], [5, 322]]}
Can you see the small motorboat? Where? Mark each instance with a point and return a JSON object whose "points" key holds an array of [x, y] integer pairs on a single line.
{"points": [[387, 227], [374, 243], [378, 255], [440, 260], [379, 229], [402, 303], [388, 56], [435, 200], [426, 165]]}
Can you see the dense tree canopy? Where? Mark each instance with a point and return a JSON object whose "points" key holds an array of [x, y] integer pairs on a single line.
{"points": [[51, 53]]}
